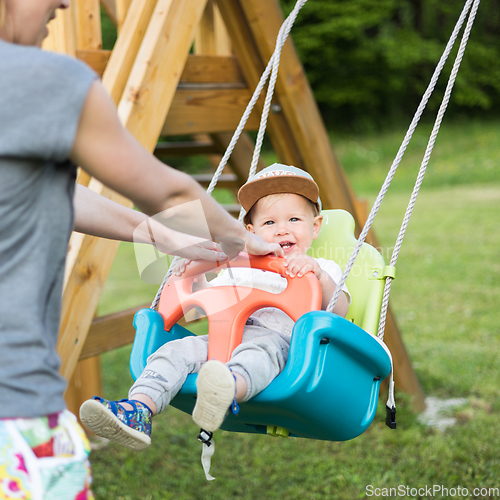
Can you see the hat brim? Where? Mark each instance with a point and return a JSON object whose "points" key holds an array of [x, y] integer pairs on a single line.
{"points": [[253, 191]]}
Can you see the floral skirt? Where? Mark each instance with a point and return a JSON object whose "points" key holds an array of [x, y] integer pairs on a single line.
{"points": [[44, 458]]}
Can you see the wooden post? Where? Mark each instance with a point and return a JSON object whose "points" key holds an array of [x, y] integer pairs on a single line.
{"points": [[86, 380], [152, 82], [110, 9], [88, 25], [213, 39], [122, 7], [62, 31]]}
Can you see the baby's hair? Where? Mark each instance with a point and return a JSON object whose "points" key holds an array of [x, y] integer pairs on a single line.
{"points": [[270, 199]]}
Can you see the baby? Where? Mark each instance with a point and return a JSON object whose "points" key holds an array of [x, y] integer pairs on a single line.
{"points": [[282, 206]]}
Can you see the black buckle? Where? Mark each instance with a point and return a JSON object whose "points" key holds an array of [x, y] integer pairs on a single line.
{"points": [[205, 437], [390, 417]]}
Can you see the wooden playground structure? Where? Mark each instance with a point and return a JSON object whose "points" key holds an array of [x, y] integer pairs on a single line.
{"points": [[189, 68]]}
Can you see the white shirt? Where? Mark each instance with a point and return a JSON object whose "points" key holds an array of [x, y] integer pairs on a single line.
{"points": [[271, 317]]}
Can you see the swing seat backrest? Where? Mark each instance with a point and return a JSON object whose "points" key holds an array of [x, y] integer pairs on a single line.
{"points": [[330, 384], [365, 282]]}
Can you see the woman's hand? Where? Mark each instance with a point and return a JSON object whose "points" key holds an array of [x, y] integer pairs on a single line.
{"points": [[255, 245]]}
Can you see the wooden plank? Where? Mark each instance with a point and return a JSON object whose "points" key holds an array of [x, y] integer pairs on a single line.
{"points": [[88, 25], [89, 259], [229, 181], [194, 110], [96, 59], [205, 34], [62, 33], [86, 380], [81, 296], [114, 77], [110, 332], [87, 276], [122, 7], [115, 330], [158, 67], [127, 46], [110, 9], [212, 69], [184, 148]]}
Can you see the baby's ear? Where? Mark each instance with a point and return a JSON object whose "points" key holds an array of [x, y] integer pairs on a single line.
{"points": [[318, 220], [250, 228]]}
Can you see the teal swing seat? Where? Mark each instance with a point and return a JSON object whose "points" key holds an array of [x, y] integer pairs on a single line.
{"points": [[330, 385]]}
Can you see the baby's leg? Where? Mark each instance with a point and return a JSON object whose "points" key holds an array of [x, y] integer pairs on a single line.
{"points": [[167, 370], [128, 422], [259, 359]]}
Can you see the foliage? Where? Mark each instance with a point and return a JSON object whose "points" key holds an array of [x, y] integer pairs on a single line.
{"points": [[370, 62]]}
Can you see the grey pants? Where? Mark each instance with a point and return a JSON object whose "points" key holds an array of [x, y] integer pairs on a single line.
{"points": [[260, 358]]}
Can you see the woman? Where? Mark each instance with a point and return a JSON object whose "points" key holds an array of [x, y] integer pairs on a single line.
{"points": [[55, 114]]}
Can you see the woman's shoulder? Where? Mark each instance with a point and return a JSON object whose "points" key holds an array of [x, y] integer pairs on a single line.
{"points": [[38, 63]]}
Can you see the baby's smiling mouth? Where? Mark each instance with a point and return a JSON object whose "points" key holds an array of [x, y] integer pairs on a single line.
{"points": [[286, 245]]}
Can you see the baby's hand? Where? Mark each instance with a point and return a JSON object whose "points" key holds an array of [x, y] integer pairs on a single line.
{"points": [[300, 264], [180, 267], [199, 282]]}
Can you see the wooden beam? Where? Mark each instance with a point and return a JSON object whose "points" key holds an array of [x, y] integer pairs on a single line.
{"points": [[114, 330], [114, 77], [62, 36], [127, 46], [184, 148], [110, 9], [158, 66], [217, 110], [225, 181], [122, 7], [96, 59], [110, 332], [88, 25], [212, 36], [89, 259], [212, 69]]}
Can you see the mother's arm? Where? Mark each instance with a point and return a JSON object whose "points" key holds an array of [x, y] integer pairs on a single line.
{"points": [[108, 152], [99, 216]]}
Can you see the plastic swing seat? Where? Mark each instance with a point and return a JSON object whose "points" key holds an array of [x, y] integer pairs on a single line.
{"points": [[330, 385]]}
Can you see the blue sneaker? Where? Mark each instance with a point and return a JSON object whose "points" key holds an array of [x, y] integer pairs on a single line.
{"points": [[108, 419]]}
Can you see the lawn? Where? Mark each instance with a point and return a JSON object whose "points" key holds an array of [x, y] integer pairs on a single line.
{"points": [[445, 298]]}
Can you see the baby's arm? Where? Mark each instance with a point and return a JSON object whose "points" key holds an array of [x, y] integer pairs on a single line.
{"points": [[199, 283], [299, 264]]}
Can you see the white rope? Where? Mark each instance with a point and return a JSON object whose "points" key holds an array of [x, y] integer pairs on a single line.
{"points": [[399, 156], [271, 68], [423, 166]]}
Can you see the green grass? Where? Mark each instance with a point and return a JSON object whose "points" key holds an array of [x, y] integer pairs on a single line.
{"points": [[445, 298]]}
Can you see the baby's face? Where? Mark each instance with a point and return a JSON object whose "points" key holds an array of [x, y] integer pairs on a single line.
{"points": [[287, 220]]}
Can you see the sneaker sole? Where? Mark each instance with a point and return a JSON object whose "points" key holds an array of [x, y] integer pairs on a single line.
{"points": [[104, 423], [216, 388]]}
